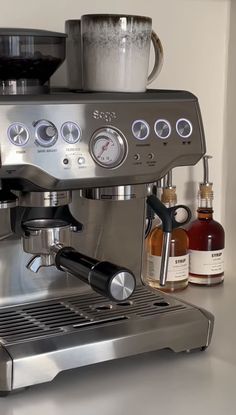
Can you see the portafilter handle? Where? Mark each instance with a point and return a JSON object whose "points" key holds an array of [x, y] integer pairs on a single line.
{"points": [[107, 279]]}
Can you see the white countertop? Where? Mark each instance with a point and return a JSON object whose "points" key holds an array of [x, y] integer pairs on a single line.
{"points": [[155, 383]]}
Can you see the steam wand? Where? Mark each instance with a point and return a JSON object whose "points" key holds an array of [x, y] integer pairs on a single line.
{"points": [[169, 222]]}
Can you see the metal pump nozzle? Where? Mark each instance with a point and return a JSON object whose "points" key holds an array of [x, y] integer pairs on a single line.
{"points": [[167, 179], [168, 196], [205, 188], [206, 169]]}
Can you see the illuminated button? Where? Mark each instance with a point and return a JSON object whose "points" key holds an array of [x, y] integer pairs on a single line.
{"points": [[81, 160], [18, 134], [137, 157], [184, 128], [70, 132], [162, 129], [140, 129]]}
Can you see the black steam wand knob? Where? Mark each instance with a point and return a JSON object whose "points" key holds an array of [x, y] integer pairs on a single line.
{"points": [[107, 279]]}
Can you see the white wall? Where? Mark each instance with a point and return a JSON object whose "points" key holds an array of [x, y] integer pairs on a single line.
{"points": [[229, 165], [195, 37]]}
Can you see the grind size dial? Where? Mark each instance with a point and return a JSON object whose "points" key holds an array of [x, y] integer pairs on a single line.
{"points": [[108, 147]]}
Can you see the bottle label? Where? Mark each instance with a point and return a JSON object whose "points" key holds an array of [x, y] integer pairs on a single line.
{"points": [[206, 262], [178, 267]]}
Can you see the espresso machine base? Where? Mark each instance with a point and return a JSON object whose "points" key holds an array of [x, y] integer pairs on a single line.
{"points": [[41, 339]]}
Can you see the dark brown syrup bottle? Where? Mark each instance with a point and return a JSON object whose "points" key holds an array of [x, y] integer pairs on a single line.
{"points": [[206, 239]]}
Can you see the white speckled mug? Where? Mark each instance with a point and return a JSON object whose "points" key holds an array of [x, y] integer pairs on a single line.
{"points": [[115, 52]]}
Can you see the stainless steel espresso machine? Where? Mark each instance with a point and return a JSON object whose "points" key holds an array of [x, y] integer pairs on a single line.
{"points": [[73, 171]]}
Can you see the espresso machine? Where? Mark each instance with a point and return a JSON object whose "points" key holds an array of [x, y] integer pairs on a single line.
{"points": [[74, 169]]}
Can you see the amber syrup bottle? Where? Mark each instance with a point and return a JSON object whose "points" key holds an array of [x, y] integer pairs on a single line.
{"points": [[206, 239], [178, 268]]}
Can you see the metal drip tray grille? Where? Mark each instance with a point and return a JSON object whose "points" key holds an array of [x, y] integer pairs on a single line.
{"points": [[45, 318]]}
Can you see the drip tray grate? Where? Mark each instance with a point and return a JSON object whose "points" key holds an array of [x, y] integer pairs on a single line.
{"points": [[45, 318]]}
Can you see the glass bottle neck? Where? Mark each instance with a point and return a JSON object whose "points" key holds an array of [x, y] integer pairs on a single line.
{"points": [[205, 205], [205, 213]]}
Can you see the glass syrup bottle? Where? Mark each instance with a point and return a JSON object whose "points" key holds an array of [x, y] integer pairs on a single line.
{"points": [[206, 238], [178, 268]]}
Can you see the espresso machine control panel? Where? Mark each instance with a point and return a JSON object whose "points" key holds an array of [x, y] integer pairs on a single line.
{"points": [[77, 140]]}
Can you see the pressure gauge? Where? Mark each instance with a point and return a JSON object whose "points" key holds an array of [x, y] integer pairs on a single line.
{"points": [[108, 147]]}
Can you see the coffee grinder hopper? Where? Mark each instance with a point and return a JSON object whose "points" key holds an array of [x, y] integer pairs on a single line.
{"points": [[28, 58]]}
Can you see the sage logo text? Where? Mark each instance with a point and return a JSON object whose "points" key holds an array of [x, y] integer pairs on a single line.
{"points": [[107, 116]]}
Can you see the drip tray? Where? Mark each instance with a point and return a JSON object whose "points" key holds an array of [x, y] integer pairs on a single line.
{"points": [[38, 340], [46, 318]]}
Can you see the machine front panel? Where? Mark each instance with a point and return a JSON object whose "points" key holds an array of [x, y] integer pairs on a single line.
{"points": [[92, 144]]}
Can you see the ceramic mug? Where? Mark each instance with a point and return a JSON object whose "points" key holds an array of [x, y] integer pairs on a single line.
{"points": [[115, 52]]}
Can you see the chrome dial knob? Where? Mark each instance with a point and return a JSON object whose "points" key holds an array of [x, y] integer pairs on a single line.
{"points": [[122, 285], [46, 133], [162, 129], [70, 132], [184, 128], [140, 129], [18, 134]]}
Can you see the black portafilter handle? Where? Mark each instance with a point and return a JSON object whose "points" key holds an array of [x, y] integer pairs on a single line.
{"points": [[109, 280]]}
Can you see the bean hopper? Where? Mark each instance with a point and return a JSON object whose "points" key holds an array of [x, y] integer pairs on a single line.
{"points": [[74, 172]]}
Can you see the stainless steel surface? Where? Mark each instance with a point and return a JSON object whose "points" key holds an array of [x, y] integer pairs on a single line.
{"points": [[45, 338], [44, 199], [113, 231], [168, 182], [113, 193], [122, 286], [8, 204], [39, 261], [124, 221], [74, 165], [165, 252], [206, 170], [6, 370], [22, 87], [52, 321], [127, 381], [42, 234], [8, 201]]}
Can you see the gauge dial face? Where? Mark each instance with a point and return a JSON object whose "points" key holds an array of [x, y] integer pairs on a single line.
{"points": [[108, 147]]}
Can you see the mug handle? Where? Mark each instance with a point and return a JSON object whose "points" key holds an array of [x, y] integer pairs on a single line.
{"points": [[158, 50]]}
